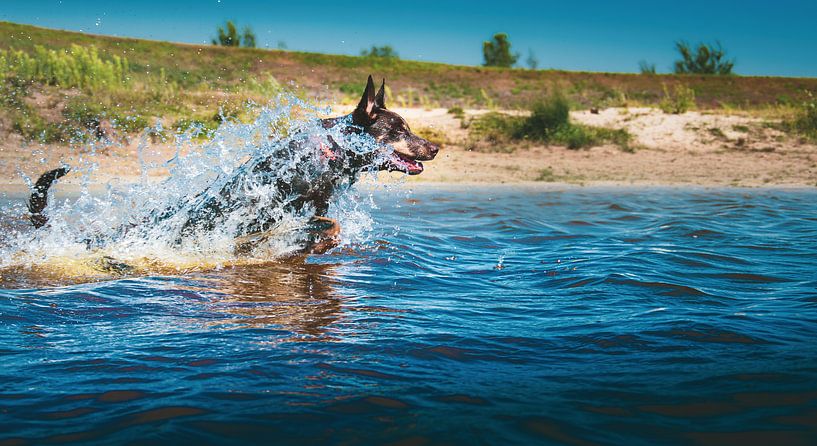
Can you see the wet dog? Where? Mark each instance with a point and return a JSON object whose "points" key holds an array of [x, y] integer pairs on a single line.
{"points": [[303, 190]]}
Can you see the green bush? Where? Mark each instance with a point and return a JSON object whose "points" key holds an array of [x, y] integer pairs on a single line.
{"points": [[805, 122], [24, 119], [381, 52], [32, 127], [707, 59], [681, 100], [549, 122], [494, 128], [268, 87], [79, 67], [546, 118], [199, 127], [646, 67], [84, 115], [577, 136]]}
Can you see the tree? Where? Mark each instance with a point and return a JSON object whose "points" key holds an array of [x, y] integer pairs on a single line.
{"points": [[384, 52], [646, 67], [532, 61], [708, 59], [248, 40], [228, 36], [497, 52]]}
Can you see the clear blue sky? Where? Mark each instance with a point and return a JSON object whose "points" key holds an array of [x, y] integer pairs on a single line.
{"points": [[766, 38]]}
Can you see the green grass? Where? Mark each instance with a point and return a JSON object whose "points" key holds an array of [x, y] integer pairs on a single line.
{"points": [[548, 123], [806, 120], [546, 175], [134, 81], [680, 100], [211, 67]]}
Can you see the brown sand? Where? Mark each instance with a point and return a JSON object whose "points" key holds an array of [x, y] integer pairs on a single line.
{"points": [[689, 149]]}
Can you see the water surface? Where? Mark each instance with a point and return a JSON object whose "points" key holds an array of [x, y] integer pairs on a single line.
{"points": [[491, 315]]}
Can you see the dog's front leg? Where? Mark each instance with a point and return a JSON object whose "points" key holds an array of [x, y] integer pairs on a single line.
{"points": [[324, 234]]}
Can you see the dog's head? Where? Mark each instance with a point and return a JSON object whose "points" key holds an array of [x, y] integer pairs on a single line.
{"points": [[389, 128]]}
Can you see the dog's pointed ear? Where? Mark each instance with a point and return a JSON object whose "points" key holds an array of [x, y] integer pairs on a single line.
{"points": [[380, 98], [364, 113]]}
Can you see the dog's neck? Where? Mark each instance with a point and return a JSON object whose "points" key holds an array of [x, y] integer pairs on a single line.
{"points": [[345, 120]]}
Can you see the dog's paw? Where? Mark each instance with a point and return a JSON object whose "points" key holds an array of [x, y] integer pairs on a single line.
{"points": [[324, 234]]}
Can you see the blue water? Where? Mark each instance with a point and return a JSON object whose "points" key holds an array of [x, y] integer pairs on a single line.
{"points": [[491, 315]]}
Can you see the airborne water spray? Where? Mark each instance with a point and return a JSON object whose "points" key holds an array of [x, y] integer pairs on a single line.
{"points": [[140, 224]]}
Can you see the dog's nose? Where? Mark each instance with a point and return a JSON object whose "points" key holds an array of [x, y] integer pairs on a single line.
{"points": [[433, 149]]}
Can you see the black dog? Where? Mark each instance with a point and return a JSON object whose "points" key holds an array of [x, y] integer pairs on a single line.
{"points": [[302, 189]]}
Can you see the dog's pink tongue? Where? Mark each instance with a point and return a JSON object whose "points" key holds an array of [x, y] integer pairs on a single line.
{"points": [[408, 166]]}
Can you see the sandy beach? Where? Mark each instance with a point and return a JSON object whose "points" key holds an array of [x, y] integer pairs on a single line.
{"points": [[694, 148]]}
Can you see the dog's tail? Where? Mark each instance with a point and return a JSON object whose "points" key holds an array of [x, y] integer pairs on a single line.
{"points": [[39, 196]]}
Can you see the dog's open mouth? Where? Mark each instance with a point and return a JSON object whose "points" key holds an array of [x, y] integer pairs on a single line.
{"points": [[402, 163]]}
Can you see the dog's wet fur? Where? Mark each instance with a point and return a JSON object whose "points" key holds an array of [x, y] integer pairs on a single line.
{"points": [[207, 210]]}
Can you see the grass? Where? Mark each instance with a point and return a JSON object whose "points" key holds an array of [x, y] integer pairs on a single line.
{"points": [[134, 81], [679, 101], [457, 112], [717, 133], [548, 123], [193, 66], [546, 175], [805, 121], [434, 135]]}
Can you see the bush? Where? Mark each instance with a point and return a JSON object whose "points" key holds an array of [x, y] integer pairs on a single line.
{"points": [[82, 115], [806, 120], [585, 136], [381, 52], [546, 118], [494, 128], [79, 67], [681, 100], [248, 39], [549, 122], [24, 119], [646, 67], [268, 87], [457, 111], [197, 127], [708, 59], [431, 134]]}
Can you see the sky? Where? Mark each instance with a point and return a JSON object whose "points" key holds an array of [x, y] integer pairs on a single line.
{"points": [[765, 38]]}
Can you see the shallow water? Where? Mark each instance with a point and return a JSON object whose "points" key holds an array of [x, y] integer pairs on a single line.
{"points": [[472, 316]]}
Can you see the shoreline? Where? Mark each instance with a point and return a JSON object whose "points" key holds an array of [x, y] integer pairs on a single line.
{"points": [[72, 189], [694, 149]]}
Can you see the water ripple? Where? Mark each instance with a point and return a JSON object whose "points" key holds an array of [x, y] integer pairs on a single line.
{"points": [[495, 315]]}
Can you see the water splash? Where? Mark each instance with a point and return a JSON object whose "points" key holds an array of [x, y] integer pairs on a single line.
{"points": [[248, 172]]}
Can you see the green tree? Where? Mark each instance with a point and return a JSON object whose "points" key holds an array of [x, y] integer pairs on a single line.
{"points": [[497, 52], [248, 40], [385, 52], [707, 59], [532, 61], [227, 35], [646, 67]]}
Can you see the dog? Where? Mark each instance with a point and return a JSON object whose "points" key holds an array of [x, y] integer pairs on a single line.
{"points": [[406, 152]]}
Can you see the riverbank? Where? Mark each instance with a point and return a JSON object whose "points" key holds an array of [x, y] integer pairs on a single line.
{"points": [[693, 148]]}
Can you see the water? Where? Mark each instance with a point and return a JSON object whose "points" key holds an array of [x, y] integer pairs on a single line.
{"points": [[490, 315], [245, 178]]}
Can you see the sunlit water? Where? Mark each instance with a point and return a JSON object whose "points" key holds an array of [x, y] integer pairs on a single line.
{"points": [[490, 315]]}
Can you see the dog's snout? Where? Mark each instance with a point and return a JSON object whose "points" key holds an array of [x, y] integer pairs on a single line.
{"points": [[433, 149]]}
